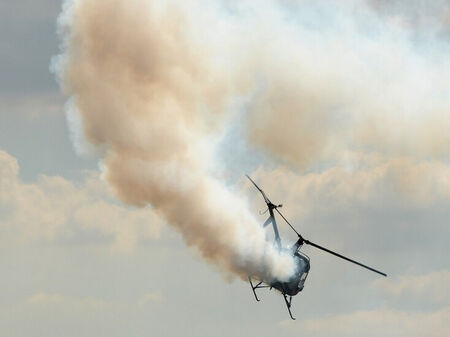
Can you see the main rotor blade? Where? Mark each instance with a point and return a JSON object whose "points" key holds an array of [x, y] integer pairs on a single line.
{"points": [[292, 227], [327, 250], [271, 220], [343, 257], [257, 187]]}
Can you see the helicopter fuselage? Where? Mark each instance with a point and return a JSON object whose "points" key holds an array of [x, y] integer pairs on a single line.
{"points": [[297, 282]]}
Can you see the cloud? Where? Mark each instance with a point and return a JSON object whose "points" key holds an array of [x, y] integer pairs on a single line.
{"points": [[86, 302], [362, 180], [375, 323], [417, 291], [392, 211], [55, 209], [153, 297], [79, 303], [58, 299]]}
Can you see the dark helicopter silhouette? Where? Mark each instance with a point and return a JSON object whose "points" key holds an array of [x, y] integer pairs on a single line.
{"points": [[297, 281]]}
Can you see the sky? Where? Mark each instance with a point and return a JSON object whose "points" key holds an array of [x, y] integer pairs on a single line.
{"points": [[125, 126]]}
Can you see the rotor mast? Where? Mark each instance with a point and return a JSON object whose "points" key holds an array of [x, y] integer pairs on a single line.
{"points": [[271, 218]]}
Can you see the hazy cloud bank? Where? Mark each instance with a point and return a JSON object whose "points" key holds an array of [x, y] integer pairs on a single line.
{"points": [[53, 208]]}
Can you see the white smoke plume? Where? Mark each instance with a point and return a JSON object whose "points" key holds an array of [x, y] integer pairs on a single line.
{"points": [[153, 83], [152, 97], [349, 75]]}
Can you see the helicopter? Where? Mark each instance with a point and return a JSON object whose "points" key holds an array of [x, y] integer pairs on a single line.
{"points": [[296, 282]]}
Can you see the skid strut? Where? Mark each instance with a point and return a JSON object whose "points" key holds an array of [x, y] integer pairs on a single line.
{"points": [[257, 286], [254, 287], [288, 304]]}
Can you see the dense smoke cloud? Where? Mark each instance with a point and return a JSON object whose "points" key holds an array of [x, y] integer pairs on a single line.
{"points": [[153, 85], [335, 77], [151, 96]]}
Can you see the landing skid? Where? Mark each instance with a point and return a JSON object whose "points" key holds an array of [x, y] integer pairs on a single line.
{"points": [[259, 285], [288, 304], [254, 287]]}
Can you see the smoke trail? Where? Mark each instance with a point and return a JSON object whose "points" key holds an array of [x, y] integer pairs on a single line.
{"points": [[152, 96], [151, 83], [340, 76]]}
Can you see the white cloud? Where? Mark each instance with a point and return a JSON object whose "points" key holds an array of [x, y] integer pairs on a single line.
{"points": [[53, 208], [360, 185], [389, 212], [153, 297], [48, 299], [377, 323], [421, 290], [364, 179]]}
